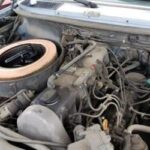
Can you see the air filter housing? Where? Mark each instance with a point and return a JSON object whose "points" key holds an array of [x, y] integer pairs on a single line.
{"points": [[26, 65]]}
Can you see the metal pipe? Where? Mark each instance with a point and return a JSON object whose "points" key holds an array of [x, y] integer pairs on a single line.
{"points": [[92, 44], [85, 52]]}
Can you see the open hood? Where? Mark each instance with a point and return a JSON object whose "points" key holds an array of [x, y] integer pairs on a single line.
{"points": [[75, 75]]}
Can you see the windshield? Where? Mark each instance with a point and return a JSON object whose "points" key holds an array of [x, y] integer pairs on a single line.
{"points": [[128, 2], [143, 3]]}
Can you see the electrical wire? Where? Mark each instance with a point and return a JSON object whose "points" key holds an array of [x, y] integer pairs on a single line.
{"points": [[123, 73], [137, 89], [104, 107], [112, 73], [142, 96], [97, 97], [119, 114], [113, 97], [13, 97], [15, 27], [109, 97], [120, 81], [142, 114], [141, 102]]}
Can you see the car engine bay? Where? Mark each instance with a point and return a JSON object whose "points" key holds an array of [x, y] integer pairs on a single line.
{"points": [[65, 87]]}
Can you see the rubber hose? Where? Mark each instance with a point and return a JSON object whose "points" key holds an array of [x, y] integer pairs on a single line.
{"points": [[138, 127], [9, 133]]}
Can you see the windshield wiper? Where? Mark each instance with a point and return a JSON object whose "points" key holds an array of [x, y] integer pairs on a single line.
{"points": [[87, 3]]}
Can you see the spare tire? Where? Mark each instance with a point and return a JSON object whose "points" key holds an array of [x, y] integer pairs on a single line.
{"points": [[27, 65]]}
